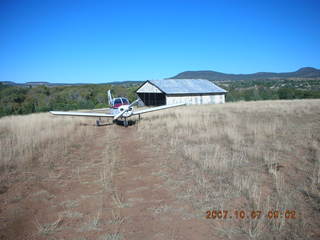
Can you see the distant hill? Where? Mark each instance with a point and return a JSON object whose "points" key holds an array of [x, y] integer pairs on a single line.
{"points": [[11, 83], [306, 72]]}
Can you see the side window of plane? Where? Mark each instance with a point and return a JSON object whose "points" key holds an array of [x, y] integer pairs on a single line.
{"points": [[125, 101]]}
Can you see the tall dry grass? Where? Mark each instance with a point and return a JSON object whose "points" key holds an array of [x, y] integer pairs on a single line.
{"points": [[37, 139], [247, 155]]}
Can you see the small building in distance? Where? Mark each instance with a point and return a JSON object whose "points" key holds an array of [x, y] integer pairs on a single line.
{"points": [[173, 91]]}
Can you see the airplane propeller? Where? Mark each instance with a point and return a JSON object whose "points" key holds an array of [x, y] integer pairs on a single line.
{"points": [[119, 115]]}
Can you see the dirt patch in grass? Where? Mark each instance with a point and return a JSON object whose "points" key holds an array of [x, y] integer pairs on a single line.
{"points": [[151, 209]]}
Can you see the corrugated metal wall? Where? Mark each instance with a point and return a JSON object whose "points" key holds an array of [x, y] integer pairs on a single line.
{"points": [[196, 99]]}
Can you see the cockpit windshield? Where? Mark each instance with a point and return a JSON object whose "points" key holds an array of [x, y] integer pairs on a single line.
{"points": [[117, 101]]}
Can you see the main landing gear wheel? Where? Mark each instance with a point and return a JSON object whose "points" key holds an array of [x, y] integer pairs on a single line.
{"points": [[98, 122]]}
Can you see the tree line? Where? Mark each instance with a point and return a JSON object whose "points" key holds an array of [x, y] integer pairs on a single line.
{"points": [[24, 100], [265, 93]]}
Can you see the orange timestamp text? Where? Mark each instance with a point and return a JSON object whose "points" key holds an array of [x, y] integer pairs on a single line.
{"points": [[255, 214]]}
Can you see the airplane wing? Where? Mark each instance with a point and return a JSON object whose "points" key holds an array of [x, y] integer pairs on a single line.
{"points": [[83, 114], [157, 108]]}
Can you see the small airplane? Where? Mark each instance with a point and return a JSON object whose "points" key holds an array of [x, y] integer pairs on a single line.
{"points": [[121, 108]]}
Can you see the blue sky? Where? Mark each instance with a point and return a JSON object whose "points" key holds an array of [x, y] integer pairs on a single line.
{"points": [[102, 41]]}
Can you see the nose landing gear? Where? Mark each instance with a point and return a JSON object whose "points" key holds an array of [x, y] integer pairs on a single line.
{"points": [[125, 122]]}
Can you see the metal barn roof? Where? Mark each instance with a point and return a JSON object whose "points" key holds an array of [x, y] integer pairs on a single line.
{"points": [[185, 86]]}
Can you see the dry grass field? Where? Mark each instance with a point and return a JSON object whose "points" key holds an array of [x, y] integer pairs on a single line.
{"points": [[37, 139], [251, 156], [64, 178]]}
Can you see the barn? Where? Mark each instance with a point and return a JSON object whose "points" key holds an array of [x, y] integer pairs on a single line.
{"points": [[172, 91]]}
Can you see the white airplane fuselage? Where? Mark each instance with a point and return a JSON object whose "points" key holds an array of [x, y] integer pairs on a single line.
{"points": [[119, 105]]}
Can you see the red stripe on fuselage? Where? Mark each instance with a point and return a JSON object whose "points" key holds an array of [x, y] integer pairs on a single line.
{"points": [[118, 105]]}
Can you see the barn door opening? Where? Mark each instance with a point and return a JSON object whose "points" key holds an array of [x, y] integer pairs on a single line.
{"points": [[153, 99]]}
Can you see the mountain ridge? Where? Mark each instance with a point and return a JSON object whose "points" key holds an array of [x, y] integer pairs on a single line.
{"points": [[305, 72]]}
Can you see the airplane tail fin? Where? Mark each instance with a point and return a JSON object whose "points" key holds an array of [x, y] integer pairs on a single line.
{"points": [[110, 98]]}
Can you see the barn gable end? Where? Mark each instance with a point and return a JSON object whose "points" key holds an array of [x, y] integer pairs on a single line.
{"points": [[147, 87], [151, 95]]}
